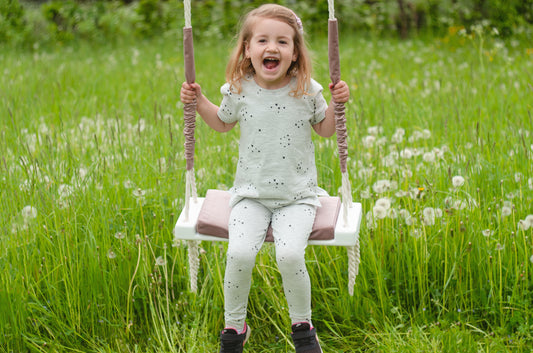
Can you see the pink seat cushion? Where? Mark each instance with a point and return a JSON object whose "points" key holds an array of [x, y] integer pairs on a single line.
{"points": [[214, 216]]}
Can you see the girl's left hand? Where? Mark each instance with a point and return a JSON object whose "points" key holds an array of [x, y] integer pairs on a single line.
{"points": [[340, 92]]}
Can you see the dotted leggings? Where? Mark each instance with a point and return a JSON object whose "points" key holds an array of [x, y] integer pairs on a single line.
{"points": [[248, 225]]}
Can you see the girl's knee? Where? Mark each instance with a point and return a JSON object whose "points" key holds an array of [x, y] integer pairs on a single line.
{"points": [[289, 259]]}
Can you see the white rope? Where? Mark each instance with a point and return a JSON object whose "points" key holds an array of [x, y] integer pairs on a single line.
{"points": [[187, 13], [194, 263], [353, 265], [190, 191], [331, 9], [346, 196]]}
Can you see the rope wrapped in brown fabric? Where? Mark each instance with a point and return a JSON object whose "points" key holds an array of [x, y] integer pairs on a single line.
{"points": [[189, 110]]}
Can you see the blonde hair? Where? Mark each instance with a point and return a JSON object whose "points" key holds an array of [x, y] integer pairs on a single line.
{"points": [[239, 66]]}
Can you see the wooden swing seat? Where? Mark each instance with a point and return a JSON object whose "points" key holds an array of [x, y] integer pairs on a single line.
{"points": [[208, 220]]}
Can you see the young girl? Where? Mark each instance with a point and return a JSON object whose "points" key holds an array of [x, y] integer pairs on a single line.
{"points": [[270, 93]]}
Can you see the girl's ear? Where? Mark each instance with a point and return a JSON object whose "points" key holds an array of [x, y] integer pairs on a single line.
{"points": [[295, 55], [246, 50]]}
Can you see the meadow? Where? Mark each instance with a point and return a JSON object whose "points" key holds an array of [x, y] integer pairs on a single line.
{"points": [[93, 175]]}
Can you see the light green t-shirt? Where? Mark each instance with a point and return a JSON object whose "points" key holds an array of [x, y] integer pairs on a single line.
{"points": [[276, 153]]}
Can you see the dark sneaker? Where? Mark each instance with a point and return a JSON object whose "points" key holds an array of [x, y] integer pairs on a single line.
{"points": [[233, 342], [305, 339]]}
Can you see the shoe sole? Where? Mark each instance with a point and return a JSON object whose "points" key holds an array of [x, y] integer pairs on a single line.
{"points": [[248, 332]]}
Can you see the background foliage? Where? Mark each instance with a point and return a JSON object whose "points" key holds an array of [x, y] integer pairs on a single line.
{"points": [[31, 22]]}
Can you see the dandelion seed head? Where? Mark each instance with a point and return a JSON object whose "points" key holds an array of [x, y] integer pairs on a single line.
{"points": [[531, 259], [128, 184], [529, 220], [530, 183], [383, 202], [111, 254], [120, 235], [64, 190], [381, 186], [406, 153], [518, 177], [487, 232], [500, 247], [160, 261], [139, 193], [379, 212], [29, 212], [416, 233], [506, 211], [375, 130], [429, 157], [401, 193], [365, 194], [523, 225], [458, 181], [368, 141], [428, 216]]}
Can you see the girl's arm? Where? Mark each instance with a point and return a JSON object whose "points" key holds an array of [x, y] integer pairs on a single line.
{"points": [[207, 110], [340, 93]]}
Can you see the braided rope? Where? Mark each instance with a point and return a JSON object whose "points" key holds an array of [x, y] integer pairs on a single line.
{"points": [[331, 9], [187, 12], [194, 264]]}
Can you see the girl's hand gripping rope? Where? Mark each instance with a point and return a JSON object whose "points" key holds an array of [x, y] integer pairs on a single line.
{"points": [[340, 92]]}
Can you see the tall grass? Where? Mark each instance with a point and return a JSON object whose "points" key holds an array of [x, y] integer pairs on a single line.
{"points": [[441, 143]]}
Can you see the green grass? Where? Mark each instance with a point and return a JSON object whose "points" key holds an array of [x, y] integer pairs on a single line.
{"points": [[92, 181]]}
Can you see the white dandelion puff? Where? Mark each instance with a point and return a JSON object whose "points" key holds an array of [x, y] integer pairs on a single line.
{"points": [[429, 157], [128, 184], [529, 220], [518, 177], [368, 141], [120, 235], [458, 181], [523, 225], [160, 261], [398, 135], [401, 193], [500, 247], [375, 130], [29, 212], [429, 216], [531, 259], [139, 193], [383, 202], [379, 212], [406, 153], [530, 183], [506, 211], [111, 254], [64, 190], [487, 232], [365, 194], [381, 186]]}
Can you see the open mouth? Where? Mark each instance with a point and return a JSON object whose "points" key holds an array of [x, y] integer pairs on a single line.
{"points": [[270, 63]]}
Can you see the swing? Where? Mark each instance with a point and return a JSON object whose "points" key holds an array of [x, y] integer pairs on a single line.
{"points": [[337, 221]]}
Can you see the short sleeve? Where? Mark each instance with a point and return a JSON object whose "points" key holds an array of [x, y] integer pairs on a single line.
{"points": [[318, 103], [228, 109]]}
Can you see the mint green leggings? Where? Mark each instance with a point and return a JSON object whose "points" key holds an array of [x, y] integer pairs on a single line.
{"points": [[248, 225]]}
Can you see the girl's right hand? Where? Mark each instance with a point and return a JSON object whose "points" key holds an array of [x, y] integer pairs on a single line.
{"points": [[190, 92]]}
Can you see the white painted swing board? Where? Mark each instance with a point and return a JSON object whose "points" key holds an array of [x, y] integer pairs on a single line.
{"points": [[345, 235]]}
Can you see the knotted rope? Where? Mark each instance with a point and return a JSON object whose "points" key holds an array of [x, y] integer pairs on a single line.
{"points": [[342, 145], [189, 117]]}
